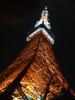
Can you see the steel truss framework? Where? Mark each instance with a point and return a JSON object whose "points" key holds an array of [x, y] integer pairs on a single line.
{"points": [[42, 77]]}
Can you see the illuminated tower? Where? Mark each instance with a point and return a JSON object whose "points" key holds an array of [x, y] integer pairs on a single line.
{"points": [[36, 68]]}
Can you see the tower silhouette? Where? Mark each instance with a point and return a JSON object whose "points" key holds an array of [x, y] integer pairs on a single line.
{"points": [[35, 73]]}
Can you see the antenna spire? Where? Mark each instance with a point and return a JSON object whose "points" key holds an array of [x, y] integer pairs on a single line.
{"points": [[45, 7], [44, 19]]}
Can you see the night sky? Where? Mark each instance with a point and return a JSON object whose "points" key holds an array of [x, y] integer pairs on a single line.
{"points": [[17, 19]]}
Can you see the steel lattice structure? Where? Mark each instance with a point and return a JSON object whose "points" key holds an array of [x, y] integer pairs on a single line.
{"points": [[35, 73]]}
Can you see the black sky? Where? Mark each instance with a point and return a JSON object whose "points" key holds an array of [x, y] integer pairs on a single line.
{"points": [[16, 19]]}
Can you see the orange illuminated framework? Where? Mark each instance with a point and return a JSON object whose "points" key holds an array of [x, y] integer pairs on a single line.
{"points": [[35, 72]]}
